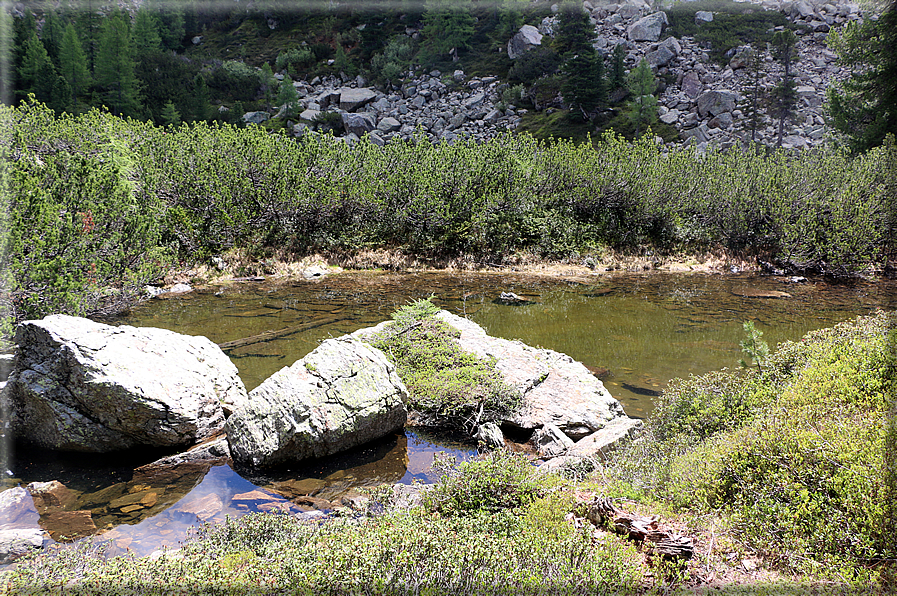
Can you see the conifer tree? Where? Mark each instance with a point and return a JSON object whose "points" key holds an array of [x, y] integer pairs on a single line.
{"points": [[170, 115], [618, 67], [145, 39], [36, 74], [114, 71], [864, 107], [51, 35], [785, 94], [267, 85], [752, 107], [73, 62], [583, 88], [642, 111], [448, 24], [287, 97], [200, 98]]}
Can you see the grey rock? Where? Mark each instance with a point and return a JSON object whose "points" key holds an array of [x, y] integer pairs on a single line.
{"points": [[703, 16], [18, 542], [458, 76], [523, 41], [351, 99], [342, 395], [691, 84], [255, 117], [358, 123], [660, 57], [648, 28], [84, 386], [550, 441], [723, 121], [599, 443], [716, 102], [555, 388], [490, 435], [389, 125]]}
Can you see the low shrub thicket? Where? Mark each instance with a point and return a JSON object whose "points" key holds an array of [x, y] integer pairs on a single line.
{"points": [[797, 456], [203, 188]]}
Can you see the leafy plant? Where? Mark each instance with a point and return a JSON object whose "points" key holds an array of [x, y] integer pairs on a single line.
{"points": [[753, 347]]}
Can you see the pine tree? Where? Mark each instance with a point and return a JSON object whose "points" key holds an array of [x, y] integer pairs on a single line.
{"points": [[73, 62], [618, 67], [287, 97], [785, 94], [583, 88], [114, 72], [753, 112], [24, 28], [36, 74], [170, 115], [200, 98], [61, 98], [267, 84], [448, 25], [145, 39], [864, 107], [575, 31], [642, 111], [51, 35]]}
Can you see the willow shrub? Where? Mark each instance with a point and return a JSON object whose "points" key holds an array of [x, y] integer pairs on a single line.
{"points": [[200, 189], [797, 455]]}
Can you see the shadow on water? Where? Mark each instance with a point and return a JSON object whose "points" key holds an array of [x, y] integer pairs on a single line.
{"points": [[636, 332]]}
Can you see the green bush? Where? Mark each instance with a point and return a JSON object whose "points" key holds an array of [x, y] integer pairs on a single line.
{"points": [[500, 480], [795, 455]]}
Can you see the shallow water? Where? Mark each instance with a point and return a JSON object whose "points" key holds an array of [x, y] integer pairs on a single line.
{"points": [[637, 331]]}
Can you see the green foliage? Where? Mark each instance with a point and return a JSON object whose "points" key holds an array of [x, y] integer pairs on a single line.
{"points": [[443, 381], [117, 85], [533, 65], [753, 347], [234, 80], [642, 109], [294, 59], [734, 24], [794, 455], [862, 107], [390, 65], [82, 238], [498, 480], [531, 551], [288, 97], [448, 24], [73, 62]]}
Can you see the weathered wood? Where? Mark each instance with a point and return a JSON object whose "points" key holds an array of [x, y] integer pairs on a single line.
{"points": [[668, 543], [279, 333]]}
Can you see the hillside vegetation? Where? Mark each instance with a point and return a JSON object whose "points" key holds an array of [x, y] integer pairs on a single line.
{"points": [[100, 205]]}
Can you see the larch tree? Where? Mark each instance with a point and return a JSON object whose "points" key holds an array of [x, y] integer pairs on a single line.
{"points": [[73, 62]]}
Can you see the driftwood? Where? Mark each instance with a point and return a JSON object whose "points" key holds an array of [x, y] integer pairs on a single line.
{"points": [[668, 543], [279, 333]]}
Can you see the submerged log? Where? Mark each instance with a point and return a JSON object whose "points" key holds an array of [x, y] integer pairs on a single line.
{"points": [[279, 333], [667, 543]]}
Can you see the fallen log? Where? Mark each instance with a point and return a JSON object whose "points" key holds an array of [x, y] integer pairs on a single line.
{"points": [[279, 333], [667, 543]]}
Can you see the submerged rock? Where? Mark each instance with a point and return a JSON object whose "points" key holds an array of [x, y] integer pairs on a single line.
{"points": [[83, 386], [343, 394]]}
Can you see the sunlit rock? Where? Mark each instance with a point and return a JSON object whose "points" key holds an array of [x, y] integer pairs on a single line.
{"points": [[83, 386], [342, 395]]}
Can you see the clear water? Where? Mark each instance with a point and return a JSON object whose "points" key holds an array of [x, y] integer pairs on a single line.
{"points": [[637, 331]]}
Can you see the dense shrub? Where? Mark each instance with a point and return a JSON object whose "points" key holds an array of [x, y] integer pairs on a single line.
{"points": [[796, 455], [212, 187]]}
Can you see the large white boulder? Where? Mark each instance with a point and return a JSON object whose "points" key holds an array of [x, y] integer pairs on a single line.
{"points": [[343, 394], [84, 386]]}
